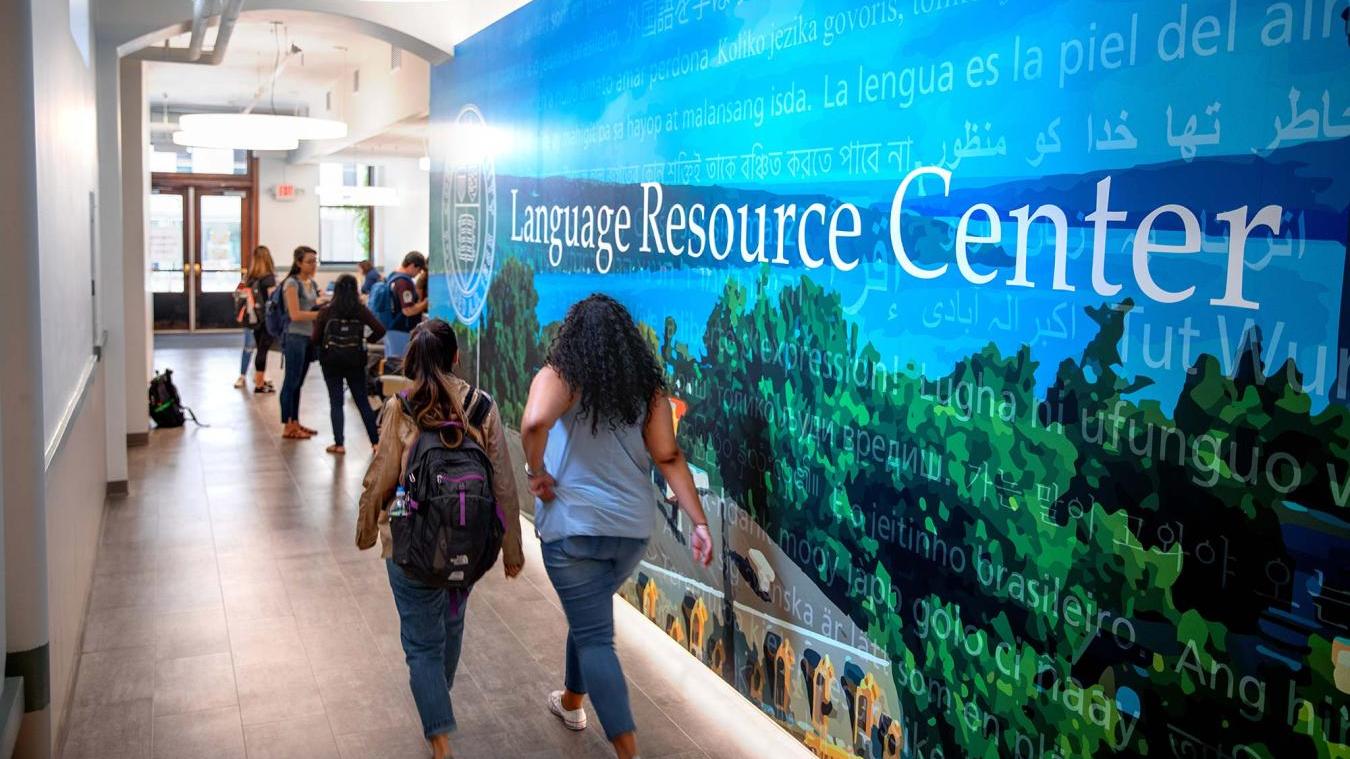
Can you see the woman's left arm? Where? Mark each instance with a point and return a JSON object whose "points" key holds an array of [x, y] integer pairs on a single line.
{"points": [[504, 490], [376, 328], [381, 477], [549, 399]]}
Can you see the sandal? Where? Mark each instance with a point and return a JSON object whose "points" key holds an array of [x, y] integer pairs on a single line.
{"points": [[335, 449], [294, 431], [263, 389], [306, 430]]}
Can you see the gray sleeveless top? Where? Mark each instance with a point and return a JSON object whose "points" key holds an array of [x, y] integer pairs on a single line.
{"points": [[604, 483]]}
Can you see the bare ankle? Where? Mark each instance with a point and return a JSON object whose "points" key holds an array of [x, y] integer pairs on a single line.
{"points": [[572, 701], [625, 745]]}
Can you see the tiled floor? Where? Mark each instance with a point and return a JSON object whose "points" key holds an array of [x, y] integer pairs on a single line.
{"points": [[232, 616]]}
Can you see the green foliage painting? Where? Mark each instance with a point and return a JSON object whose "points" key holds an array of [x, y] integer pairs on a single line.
{"points": [[1007, 343]]}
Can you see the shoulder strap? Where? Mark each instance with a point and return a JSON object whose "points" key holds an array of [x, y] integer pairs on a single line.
{"points": [[477, 405]]}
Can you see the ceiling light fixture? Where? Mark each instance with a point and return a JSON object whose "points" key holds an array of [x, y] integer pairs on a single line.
{"points": [[298, 127], [238, 141], [258, 131]]}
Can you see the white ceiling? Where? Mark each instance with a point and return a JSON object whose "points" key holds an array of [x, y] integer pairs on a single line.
{"points": [[406, 139], [329, 54], [434, 25]]}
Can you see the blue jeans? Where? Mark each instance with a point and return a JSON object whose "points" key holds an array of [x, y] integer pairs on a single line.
{"points": [[431, 625], [248, 352], [295, 352], [587, 571]]}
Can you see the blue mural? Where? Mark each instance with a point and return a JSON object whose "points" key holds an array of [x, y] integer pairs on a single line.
{"points": [[1007, 339]]}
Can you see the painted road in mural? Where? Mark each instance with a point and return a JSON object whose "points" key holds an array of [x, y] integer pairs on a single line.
{"points": [[1007, 339]]}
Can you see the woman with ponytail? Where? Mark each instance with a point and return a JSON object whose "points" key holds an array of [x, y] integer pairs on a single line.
{"points": [[301, 297], [431, 618]]}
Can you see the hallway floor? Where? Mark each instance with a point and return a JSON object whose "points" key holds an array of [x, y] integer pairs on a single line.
{"points": [[231, 615]]}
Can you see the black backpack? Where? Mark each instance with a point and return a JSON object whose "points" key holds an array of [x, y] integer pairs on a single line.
{"points": [[453, 531], [166, 408], [343, 343]]}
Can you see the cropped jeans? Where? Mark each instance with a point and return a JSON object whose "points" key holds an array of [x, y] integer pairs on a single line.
{"points": [[431, 626], [355, 378], [250, 342], [587, 571]]}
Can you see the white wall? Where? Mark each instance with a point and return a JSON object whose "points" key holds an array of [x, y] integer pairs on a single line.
{"points": [[283, 225], [406, 226], [398, 229], [50, 577], [387, 97], [137, 309], [112, 298], [75, 491], [67, 161]]}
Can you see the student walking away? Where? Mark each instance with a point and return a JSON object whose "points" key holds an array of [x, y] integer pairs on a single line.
{"points": [[596, 421], [369, 276], [300, 301], [259, 282], [340, 334], [441, 497], [398, 304]]}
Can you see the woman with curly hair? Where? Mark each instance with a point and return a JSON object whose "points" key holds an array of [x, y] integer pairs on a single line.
{"points": [[597, 420]]}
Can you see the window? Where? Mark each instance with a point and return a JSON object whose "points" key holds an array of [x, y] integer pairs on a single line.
{"points": [[346, 231], [167, 158]]}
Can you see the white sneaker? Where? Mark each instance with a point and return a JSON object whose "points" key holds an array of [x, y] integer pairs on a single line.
{"points": [[575, 719], [239, 382]]}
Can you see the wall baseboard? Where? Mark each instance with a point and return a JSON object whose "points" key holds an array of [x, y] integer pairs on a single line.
{"points": [[138, 439], [117, 487], [11, 714]]}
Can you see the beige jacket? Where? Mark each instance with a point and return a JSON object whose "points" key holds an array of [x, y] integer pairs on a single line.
{"points": [[398, 433]]}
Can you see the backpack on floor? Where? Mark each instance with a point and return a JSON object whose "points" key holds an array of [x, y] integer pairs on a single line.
{"points": [[166, 408], [343, 343], [275, 316], [453, 530]]}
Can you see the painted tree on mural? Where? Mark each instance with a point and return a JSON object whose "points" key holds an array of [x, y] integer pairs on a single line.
{"points": [[1079, 488], [1066, 503], [510, 348]]}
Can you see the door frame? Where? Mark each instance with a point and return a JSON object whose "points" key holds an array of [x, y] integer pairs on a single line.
{"points": [[192, 187]]}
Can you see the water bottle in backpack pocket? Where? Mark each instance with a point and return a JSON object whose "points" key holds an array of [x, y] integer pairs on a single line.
{"points": [[453, 530]]}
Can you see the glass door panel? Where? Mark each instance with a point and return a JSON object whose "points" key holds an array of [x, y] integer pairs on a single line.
{"points": [[221, 241], [220, 254], [169, 260]]}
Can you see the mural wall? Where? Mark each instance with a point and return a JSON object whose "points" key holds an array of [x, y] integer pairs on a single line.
{"points": [[1007, 341]]}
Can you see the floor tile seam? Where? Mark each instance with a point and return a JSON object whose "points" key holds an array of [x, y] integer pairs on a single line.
{"points": [[229, 637]]}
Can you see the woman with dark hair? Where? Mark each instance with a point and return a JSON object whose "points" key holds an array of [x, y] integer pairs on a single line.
{"points": [[596, 422], [301, 297], [431, 619], [340, 333]]}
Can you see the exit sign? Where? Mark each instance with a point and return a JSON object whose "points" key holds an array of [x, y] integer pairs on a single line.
{"points": [[284, 192]]}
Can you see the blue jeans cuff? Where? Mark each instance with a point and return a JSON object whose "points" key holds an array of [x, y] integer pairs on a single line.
{"points": [[441, 728], [614, 731]]}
